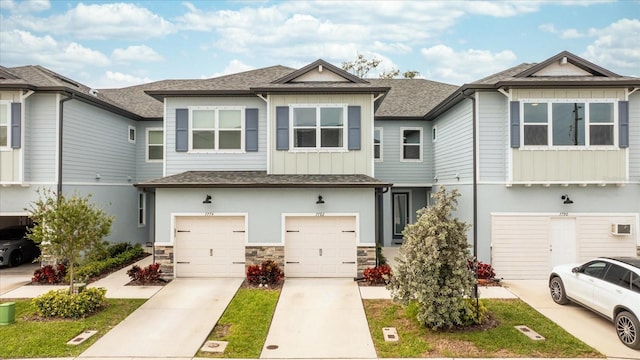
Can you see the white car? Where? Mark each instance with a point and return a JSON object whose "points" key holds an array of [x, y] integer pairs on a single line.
{"points": [[609, 287]]}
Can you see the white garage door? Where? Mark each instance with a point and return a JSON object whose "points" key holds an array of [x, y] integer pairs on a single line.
{"points": [[320, 246], [210, 246]]}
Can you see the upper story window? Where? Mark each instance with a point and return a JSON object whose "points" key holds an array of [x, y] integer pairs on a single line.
{"points": [[411, 143], [568, 123], [155, 145], [4, 124], [216, 129], [132, 134], [318, 126], [377, 144]]}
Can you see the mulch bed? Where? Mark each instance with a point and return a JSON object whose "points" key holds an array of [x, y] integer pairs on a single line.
{"points": [[159, 282], [247, 285]]}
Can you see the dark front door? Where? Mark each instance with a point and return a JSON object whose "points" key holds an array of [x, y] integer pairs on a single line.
{"points": [[400, 213]]}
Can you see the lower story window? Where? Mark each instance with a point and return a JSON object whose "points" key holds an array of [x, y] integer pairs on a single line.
{"points": [[142, 209]]}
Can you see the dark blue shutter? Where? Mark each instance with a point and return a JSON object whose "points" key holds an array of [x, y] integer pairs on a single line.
{"points": [[354, 127], [251, 129], [16, 125], [282, 128], [623, 124], [515, 123], [182, 130]]}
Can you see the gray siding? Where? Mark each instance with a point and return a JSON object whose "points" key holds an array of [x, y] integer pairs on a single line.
{"points": [[41, 138], [146, 170], [453, 149], [493, 131], [178, 162], [634, 137], [391, 168], [96, 142]]}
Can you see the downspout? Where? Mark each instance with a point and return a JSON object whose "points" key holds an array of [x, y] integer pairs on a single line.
{"points": [[60, 138], [379, 220], [475, 191]]}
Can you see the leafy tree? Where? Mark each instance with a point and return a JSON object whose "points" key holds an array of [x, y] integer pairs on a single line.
{"points": [[67, 227], [361, 66], [432, 271]]}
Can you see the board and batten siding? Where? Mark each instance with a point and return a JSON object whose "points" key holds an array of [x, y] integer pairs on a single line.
{"points": [[581, 93], [391, 168], [453, 148], [10, 159], [97, 142], [634, 137], [493, 136], [146, 170], [324, 162], [41, 138], [178, 162]]}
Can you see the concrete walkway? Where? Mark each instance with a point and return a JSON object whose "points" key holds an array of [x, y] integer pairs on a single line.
{"points": [[175, 322], [320, 319]]}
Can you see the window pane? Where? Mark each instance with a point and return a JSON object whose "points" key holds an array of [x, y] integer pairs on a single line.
{"points": [[4, 116], [535, 113], [411, 136], [618, 275], [229, 119], [596, 269], [155, 137], [304, 117], [376, 151], [3, 136], [376, 136], [535, 135], [331, 117], [203, 119], [230, 140], [331, 138], [568, 124], [411, 152], [155, 152], [204, 139], [601, 135], [601, 113], [304, 138]]}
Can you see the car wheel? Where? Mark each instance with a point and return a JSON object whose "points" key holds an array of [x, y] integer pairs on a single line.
{"points": [[556, 287], [628, 329], [16, 258]]}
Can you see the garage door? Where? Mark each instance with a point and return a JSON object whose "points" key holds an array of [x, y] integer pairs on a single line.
{"points": [[210, 246], [320, 246]]}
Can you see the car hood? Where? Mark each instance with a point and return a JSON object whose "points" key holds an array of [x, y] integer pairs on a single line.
{"points": [[565, 268]]}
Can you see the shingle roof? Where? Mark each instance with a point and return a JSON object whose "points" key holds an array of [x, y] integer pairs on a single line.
{"points": [[410, 98], [136, 100], [260, 179]]}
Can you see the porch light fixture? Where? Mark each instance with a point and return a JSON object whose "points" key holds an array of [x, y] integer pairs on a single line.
{"points": [[207, 200], [320, 201], [566, 199]]}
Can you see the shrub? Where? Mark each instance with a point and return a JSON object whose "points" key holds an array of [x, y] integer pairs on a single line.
{"points": [[378, 275], [49, 275], [145, 275], [485, 271], [267, 273], [106, 250], [96, 268], [60, 303]]}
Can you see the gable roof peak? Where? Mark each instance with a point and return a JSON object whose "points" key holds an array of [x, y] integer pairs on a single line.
{"points": [[582, 67], [320, 66]]}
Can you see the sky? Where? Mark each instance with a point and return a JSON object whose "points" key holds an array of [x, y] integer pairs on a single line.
{"points": [[106, 44]]}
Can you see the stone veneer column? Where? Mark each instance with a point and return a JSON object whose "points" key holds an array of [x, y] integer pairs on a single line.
{"points": [[255, 255], [366, 258], [164, 256]]}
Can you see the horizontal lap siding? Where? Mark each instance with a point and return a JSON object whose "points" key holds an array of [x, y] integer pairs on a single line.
{"points": [[391, 168], [41, 118], [595, 238], [634, 137], [519, 240], [493, 133], [453, 149], [146, 170]]}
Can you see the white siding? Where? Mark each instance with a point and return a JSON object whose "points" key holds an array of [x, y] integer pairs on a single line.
{"points": [[520, 247], [41, 138], [493, 132], [595, 237], [453, 149], [634, 137]]}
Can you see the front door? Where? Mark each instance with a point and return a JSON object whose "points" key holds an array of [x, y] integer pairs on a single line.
{"points": [[400, 213], [562, 246]]}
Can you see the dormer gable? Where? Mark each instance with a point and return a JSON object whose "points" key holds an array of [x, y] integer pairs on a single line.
{"points": [[566, 64], [320, 71]]}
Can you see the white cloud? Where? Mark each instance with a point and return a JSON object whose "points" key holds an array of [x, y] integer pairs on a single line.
{"points": [[136, 53], [548, 27], [233, 67], [114, 79], [25, 6], [101, 21], [616, 47], [571, 34], [458, 67]]}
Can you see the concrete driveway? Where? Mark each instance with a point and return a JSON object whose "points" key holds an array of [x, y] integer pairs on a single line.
{"points": [[12, 278], [175, 322], [579, 322], [319, 318]]}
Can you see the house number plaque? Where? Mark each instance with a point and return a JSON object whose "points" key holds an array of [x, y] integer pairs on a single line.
{"points": [[320, 214]]}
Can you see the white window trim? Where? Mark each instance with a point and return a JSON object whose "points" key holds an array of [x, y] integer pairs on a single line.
{"points": [[381, 130], [135, 134], [143, 209], [8, 146], [318, 148], [217, 130], [587, 124], [146, 149], [402, 130]]}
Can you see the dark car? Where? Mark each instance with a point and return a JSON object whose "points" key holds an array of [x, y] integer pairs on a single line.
{"points": [[15, 246]]}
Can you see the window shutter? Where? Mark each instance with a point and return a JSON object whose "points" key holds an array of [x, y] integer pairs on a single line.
{"points": [[182, 130], [251, 129], [354, 127], [623, 124], [16, 125], [515, 123], [282, 128]]}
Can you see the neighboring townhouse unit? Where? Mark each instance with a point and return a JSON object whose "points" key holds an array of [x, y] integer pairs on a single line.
{"points": [[551, 152]]}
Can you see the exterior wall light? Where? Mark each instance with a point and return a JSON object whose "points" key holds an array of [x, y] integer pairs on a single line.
{"points": [[207, 200], [566, 199], [320, 201]]}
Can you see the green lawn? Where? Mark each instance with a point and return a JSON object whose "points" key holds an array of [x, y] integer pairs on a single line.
{"points": [[245, 323], [501, 341], [32, 337]]}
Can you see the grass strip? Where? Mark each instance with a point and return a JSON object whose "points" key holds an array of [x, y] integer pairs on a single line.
{"points": [[33, 337], [501, 341], [245, 324]]}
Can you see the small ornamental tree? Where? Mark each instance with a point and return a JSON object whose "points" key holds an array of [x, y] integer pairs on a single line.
{"points": [[432, 270], [67, 227]]}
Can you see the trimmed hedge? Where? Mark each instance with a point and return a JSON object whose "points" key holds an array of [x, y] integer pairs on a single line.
{"points": [[96, 268], [59, 303]]}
